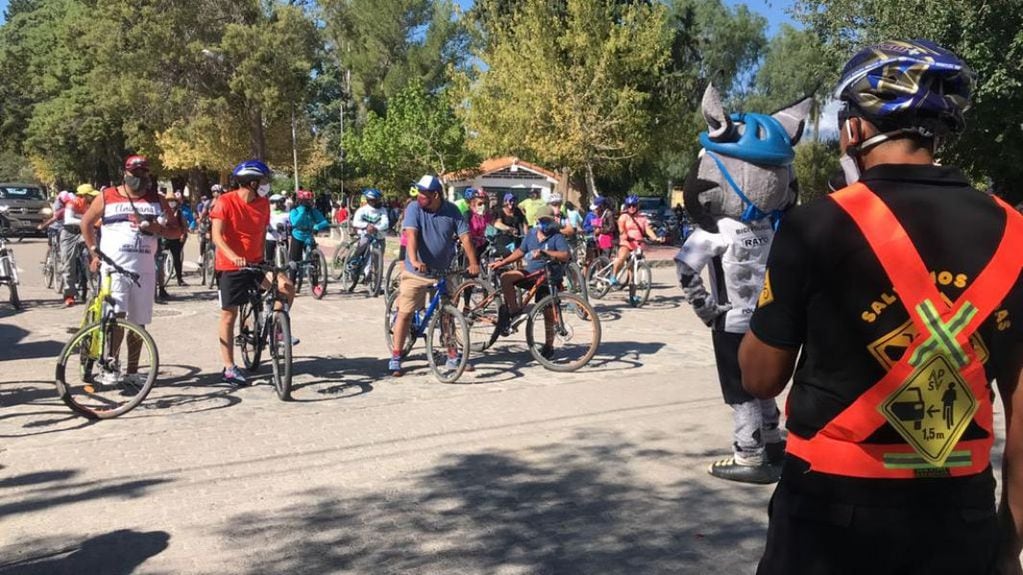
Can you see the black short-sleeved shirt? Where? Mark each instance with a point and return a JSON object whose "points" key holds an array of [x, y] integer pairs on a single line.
{"points": [[516, 220], [828, 294]]}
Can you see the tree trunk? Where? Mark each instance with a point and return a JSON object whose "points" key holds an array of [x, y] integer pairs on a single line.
{"points": [[591, 181], [257, 135]]}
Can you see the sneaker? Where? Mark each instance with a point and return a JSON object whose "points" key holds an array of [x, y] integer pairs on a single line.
{"points": [[547, 351], [69, 301], [163, 294], [452, 364], [503, 320], [613, 281], [181, 283], [109, 378], [734, 470], [633, 300], [394, 366], [233, 376]]}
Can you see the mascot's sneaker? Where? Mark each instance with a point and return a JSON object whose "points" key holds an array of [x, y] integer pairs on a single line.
{"points": [[732, 470]]}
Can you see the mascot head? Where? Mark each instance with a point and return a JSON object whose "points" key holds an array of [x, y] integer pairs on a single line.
{"points": [[745, 167]]}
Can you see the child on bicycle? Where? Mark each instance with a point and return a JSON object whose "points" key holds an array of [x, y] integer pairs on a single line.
{"points": [[369, 221], [545, 240], [306, 220]]}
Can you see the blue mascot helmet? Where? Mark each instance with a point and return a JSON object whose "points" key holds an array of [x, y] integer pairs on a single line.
{"points": [[763, 141]]}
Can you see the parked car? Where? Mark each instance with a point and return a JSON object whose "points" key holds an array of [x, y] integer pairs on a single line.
{"points": [[27, 206], [661, 217]]}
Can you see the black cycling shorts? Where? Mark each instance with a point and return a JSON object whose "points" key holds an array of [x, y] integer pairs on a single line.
{"points": [[236, 285]]}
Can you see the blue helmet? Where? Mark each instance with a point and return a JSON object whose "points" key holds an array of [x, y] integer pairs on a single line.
{"points": [[251, 170], [469, 193], [429, 184], [762, 140], [509, 197], [372, 194], [914, 83], [599, 201], [632, 200]]}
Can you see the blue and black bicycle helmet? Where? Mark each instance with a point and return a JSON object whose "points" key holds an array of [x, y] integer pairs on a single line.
{"points": [[631, 200], [250, 170], [755, 138], [372, 194], [469, 193], [908, 84]]}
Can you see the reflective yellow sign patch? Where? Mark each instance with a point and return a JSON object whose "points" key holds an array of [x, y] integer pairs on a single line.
{"points": [[766, 294], [932, 409], [889, 348]]}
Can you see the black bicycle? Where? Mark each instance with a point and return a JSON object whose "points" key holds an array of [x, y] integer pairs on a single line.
{"points": [[262, 324]]}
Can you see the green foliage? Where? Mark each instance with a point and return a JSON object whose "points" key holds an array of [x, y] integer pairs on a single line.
{"points": [[15, 168], [816, 162], [988, 35], [419, 134]]}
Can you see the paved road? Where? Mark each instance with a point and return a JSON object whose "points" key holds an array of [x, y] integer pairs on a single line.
{"points": [[512, 470]]}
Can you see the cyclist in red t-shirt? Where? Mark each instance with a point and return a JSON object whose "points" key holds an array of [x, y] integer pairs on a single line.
{"points": [[240, 218]]}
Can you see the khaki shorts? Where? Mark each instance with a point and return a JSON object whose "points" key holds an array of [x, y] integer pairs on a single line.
{"points": [[413, 289]]}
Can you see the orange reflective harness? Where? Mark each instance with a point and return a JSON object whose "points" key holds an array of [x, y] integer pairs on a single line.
{"points": [[939, 373]]}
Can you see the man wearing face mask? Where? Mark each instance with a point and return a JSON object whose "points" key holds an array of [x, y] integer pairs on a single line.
{"points": [[132, 217], [893, 290], [240, 218], [431, 226]]}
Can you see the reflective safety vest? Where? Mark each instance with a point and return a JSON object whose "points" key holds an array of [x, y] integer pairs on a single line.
{"points": [[938, 387]]}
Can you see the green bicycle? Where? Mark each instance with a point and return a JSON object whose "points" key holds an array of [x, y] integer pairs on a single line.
{"points": [[96, 375]]}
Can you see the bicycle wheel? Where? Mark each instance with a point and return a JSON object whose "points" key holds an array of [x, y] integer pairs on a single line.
{"points": [[567, 341], [123, 380], [393, 277], [248, 337], [210, 275], [374, 277], [280, 353], [448, 344], [49, 269], [167, 266], [318, 275], [639, 286], [575, 282], [597, 276], [7, 269], [479, 304], [390, 314], [352, 271], [14, 298], [339, 260]]}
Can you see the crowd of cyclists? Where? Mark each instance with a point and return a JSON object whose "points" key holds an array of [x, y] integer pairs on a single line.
{"points": [[246, 228]]}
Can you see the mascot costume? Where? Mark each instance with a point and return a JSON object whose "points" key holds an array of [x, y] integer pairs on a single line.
{"points": [[736, 194]]}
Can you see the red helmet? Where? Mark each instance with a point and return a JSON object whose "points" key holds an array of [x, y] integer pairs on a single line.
{"points": [[304, 195], [132, 163]]}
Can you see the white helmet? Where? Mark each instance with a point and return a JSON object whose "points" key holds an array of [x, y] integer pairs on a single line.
{"points": [[555, 198]]}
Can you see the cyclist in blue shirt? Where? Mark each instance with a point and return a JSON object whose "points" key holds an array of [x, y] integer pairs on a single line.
{"points": [[305, 222]]}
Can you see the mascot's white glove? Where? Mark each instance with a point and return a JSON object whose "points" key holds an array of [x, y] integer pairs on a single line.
{"points": [[704, 304]]}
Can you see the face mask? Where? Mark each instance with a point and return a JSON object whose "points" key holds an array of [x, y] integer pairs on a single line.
{"points": [[136, 183], [263, 190], [547, 228], [480, 210], [172, 204], [850, 168]]}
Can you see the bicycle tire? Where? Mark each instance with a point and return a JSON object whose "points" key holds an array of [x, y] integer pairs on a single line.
{"points": [[349, 274], [639, 286], [389, 315], [85, 336], [597, 285], [211, 268], [48, 269], [339, 259], [280, 353], [318, 276], [473, 299], [375, 278], [576, 281], [202, 270], [393, 278], [557, 303], [168, 270], [441, 372], [248, 336]]}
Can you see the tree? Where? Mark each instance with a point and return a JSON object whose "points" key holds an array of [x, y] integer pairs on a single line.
{"points": [[419, 134], [568, 83], [988, 35], [816, 162]]}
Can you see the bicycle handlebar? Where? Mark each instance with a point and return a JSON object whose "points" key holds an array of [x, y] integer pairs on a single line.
{"points": [[134, 277]]}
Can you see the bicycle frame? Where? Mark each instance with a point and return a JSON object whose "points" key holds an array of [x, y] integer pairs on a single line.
{"points": [[419, 324]]}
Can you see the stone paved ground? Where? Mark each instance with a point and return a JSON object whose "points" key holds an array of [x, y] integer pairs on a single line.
{"points": [[513, 470]]}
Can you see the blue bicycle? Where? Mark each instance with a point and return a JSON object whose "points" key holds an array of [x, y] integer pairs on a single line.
{"points": [[444, 328]]}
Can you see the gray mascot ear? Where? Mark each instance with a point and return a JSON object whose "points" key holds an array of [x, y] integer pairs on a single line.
{"points": [[718, 122], [793, 118]]}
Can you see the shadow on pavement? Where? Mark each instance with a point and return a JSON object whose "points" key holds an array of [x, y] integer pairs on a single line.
{"points": [[621, 355], [60, 491], [116, 553], [35, 403], [567, 508], [11, 349], [334, 377]]}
